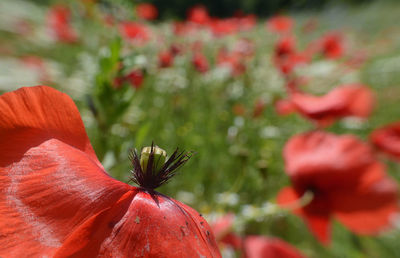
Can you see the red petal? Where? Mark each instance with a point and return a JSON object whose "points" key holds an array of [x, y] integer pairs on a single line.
{"points": [[387, 139], [222, 229], [326, 160], [29, 116], [368, 207], [144, 224], [316, 214], [345, 100], [260, 247], [50, 178]]}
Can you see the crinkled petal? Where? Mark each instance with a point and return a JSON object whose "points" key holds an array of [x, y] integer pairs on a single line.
{"points": [[144, 224], [50, 178]]}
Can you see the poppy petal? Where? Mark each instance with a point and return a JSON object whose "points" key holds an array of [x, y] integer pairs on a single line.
{"points": [[259, 247], [368, 207], [31, 115], [387, 139], [324, 159], [50, 178], [345, 100], [317, 219], [144, 224]]}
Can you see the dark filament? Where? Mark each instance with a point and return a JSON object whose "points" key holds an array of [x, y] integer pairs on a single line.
{"points": [[151, 179]]}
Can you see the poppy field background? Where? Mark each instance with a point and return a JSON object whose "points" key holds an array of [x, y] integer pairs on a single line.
{"points": [[211, 89]]}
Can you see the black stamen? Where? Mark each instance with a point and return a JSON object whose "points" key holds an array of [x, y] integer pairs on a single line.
{"points": [[151, 178]]}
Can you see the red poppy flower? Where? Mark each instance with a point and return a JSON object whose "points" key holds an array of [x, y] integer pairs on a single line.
{"points": [[332, 45], [165, 59], [286, 58], [200, 62], [135, 78], [198, 14], [345, 100], [134, 32], [387, 139], [260, 247], [58, 21], [222, 27], [146, 11], [346, 182], [56, 200], [280, 24]]}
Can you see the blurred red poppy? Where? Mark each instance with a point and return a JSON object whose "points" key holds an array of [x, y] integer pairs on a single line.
{"points": [[332, 45], [146, 11], [165, 59], [387, 139], [346, 182], [56, 200], [258, 109], [198, 14], [200, 62], [344, 100], [58, 22], [135, 32], [224, 234], [280, 24], [135, 78]]}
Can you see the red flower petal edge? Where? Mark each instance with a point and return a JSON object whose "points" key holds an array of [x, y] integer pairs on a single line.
{"points": [[387, 139]]}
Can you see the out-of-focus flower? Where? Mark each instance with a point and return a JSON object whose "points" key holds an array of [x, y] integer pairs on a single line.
{"points": [[261, 247], [280, 24], [222, 27], [345, 100], [387, 139], [231, 60], [135, 32], [251, 246], [345, 181], [200, 62], [258, 109], [198, 14], [58, 22], [146, 11], [165, 59], [332, 45], [224, 234], [135, 78], [56, 200], [286, 58]]}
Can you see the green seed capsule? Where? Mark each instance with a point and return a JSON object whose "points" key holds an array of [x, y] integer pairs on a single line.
{"points": [[159, 157]]}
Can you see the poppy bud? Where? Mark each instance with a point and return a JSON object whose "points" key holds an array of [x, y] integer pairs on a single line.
{"points": [[159, 156]]}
